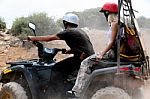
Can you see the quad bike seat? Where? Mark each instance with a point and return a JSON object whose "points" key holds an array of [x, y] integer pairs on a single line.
{"points": [[107, 63]]}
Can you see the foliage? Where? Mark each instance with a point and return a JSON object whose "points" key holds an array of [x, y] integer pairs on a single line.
{"points": [[90, 18], [19, 27], [44, 25], [142, 21], [59, 23], [2, 24]]}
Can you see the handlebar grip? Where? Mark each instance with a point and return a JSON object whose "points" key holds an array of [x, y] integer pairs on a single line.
{"points": [[28, 38]]}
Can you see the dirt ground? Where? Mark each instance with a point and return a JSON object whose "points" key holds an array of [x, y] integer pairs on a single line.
{"points": [[97, 37]]}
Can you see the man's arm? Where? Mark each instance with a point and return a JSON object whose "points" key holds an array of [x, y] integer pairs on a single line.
{"points": [[44, 38]]}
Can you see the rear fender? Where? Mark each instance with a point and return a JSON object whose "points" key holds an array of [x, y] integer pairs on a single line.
{"points": [[116, 79]]}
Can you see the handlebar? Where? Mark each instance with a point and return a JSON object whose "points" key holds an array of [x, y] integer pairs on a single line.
{"points": [[47, 53]]}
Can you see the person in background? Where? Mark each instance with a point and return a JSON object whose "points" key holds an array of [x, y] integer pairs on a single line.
{"points": [[78, 41], [110, 11]]}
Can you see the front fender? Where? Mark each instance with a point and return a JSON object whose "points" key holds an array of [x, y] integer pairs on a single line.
{"points": [[27, 75]]}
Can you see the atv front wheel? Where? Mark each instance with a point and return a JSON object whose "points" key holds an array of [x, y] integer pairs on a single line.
{"points": [[12, 90], [111, 93]]}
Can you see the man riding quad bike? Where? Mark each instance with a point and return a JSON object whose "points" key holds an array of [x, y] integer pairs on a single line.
{"points": [[50, 75]]}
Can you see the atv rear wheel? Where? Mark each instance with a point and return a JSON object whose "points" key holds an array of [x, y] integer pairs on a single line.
{"points": [[138, 93], [12, 90], [111, 93]]}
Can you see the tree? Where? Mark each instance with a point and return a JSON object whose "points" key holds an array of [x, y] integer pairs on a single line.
{"points": [[2, 24], [147, 23], [142, 21], [44, 25], [91, 18], [59, 23], [20, 27]]}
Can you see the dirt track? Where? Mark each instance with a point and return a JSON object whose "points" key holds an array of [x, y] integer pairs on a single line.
{"points": [[97, 37]]}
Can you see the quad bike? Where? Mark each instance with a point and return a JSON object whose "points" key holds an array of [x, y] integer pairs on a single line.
{"points": [[35, 79], [123, 78]]}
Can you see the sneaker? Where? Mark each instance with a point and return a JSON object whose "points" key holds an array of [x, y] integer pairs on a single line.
{"points": [[71, 94]]}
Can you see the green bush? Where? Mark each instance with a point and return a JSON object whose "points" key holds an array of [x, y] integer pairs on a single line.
{"points": [[2, 25], [20, 27], [44, 25]]}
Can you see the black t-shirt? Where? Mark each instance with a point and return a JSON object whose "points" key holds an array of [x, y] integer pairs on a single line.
{"points": [[77, 40]]}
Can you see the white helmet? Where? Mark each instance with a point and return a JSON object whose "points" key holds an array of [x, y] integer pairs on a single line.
{"points": [[71, 18]]}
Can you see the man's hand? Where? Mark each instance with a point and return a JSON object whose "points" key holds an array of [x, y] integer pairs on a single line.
{"points": [[99, 56], [83, 56], [29, 38], [96, 57], [67, 52]]}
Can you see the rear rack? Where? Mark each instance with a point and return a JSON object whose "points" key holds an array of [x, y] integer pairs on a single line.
{"points": [[129, 19]]}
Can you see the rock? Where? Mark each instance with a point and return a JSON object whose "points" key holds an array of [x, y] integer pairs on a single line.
{"points": [[4, 49]]}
